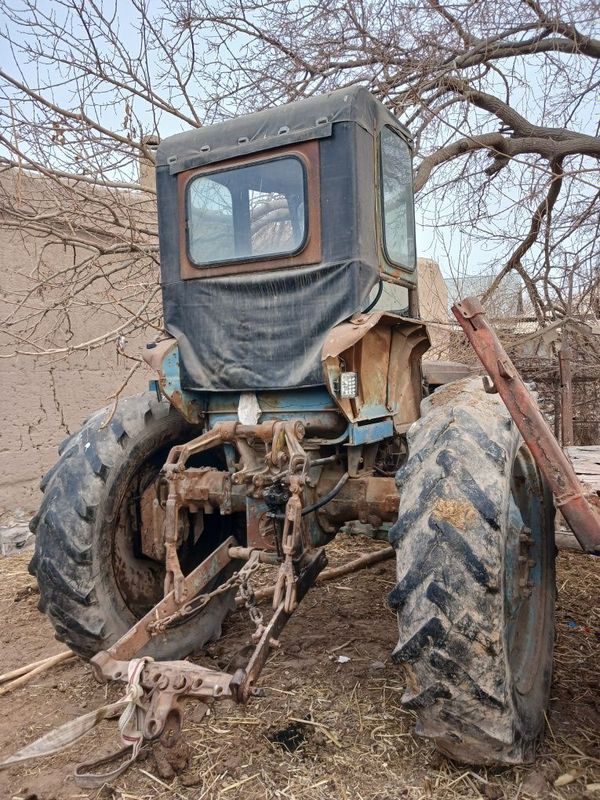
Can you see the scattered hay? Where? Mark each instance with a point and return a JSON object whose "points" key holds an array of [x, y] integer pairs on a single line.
{"points": [[354, 741]]}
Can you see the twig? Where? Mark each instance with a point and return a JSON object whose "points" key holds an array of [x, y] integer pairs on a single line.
{"points": [[341, 646], [327, 731], [161, 783], [115, 397], [16, 673], [239, 783], [36, 669], [366, 560]]}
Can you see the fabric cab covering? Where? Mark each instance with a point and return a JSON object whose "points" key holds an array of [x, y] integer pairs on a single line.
{"points": [[266, 329]]}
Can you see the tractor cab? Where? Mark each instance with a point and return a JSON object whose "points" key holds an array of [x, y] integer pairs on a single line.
{"points": [[275, 228]]}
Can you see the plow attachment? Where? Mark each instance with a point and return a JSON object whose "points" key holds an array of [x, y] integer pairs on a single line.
{"points": [[168, 681]]}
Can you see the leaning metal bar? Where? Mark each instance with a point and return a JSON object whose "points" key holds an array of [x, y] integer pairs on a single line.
{"points": [[242, 683], [547, 452]]}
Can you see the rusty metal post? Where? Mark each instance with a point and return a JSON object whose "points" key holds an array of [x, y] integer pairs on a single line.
{"points": [[566, 391], [548, 454]]}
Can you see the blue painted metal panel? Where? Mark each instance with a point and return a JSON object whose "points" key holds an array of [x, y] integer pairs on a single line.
{"points": [[314, 404], [373, 432], [273, 403], [187, 402], [305, 403]]}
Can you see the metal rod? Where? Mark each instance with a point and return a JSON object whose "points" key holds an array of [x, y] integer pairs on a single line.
{"points": [[548, 454], [318, 461], [244, 553], [242, 683]]}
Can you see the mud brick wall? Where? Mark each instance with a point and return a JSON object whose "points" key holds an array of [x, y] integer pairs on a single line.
{"points": [[43, 400], [433, 308]]}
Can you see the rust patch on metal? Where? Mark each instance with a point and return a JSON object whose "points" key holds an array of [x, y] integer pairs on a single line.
{"points": [[438, 373], [385, 350], [371, 500], [152, 524], [452, 391], [154, 356]]}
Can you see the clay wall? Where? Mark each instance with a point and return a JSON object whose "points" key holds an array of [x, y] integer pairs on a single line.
{"points": [[44, 399]]}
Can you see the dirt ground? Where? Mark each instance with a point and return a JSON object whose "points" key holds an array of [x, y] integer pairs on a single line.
{"points": [[328, 728]]}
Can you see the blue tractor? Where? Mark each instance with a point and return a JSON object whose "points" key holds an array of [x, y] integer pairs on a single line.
{"points": [[291, 398]]}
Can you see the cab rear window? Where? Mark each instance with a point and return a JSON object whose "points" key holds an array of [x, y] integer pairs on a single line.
{"points": [[247, 212]]}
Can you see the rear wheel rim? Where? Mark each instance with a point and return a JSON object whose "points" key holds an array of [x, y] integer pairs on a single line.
{"points": [[139, 578], [526, 572]]}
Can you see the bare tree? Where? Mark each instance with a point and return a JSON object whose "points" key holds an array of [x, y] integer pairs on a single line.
{"points": [[84, 93], [500, 98]]}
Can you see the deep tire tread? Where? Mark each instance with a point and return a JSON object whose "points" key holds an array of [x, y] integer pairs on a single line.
{"points": [[65, 525], [453, 499]]}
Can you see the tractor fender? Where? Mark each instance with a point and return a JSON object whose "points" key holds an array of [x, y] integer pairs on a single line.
{"points": [[385, 351], [162, 357]]}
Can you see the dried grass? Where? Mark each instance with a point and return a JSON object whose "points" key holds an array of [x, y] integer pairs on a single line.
{"points": [[356, 740]]}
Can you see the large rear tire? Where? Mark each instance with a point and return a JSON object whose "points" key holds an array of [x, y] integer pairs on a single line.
{"points": [[94, 580], [475, 569]]}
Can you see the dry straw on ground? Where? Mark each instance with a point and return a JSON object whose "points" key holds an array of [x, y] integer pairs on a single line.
{"points": [[341, 719]]}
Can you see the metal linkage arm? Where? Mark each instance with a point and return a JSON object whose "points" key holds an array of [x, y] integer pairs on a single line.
{"points": [[167, 682], [137, 637], [548, 454], [242, 683]]}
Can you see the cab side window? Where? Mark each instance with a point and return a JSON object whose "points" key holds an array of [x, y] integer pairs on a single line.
{"points": [[397, 200]]}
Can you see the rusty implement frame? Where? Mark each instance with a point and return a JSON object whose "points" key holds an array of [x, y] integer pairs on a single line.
{"points": [[167, 682], [548, 454], [140, 634]]}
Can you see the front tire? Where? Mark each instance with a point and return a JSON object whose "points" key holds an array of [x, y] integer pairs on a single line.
{"points": [[475, 569], [95, 582]]}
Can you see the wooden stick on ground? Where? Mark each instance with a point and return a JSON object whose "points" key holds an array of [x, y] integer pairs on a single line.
{"points": [[24, 674], [16, 673], [563, 541]]}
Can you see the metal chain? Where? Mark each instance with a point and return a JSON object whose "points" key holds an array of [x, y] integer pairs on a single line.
{"points": [[246, 592], [238, 579], [292, 546]]}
